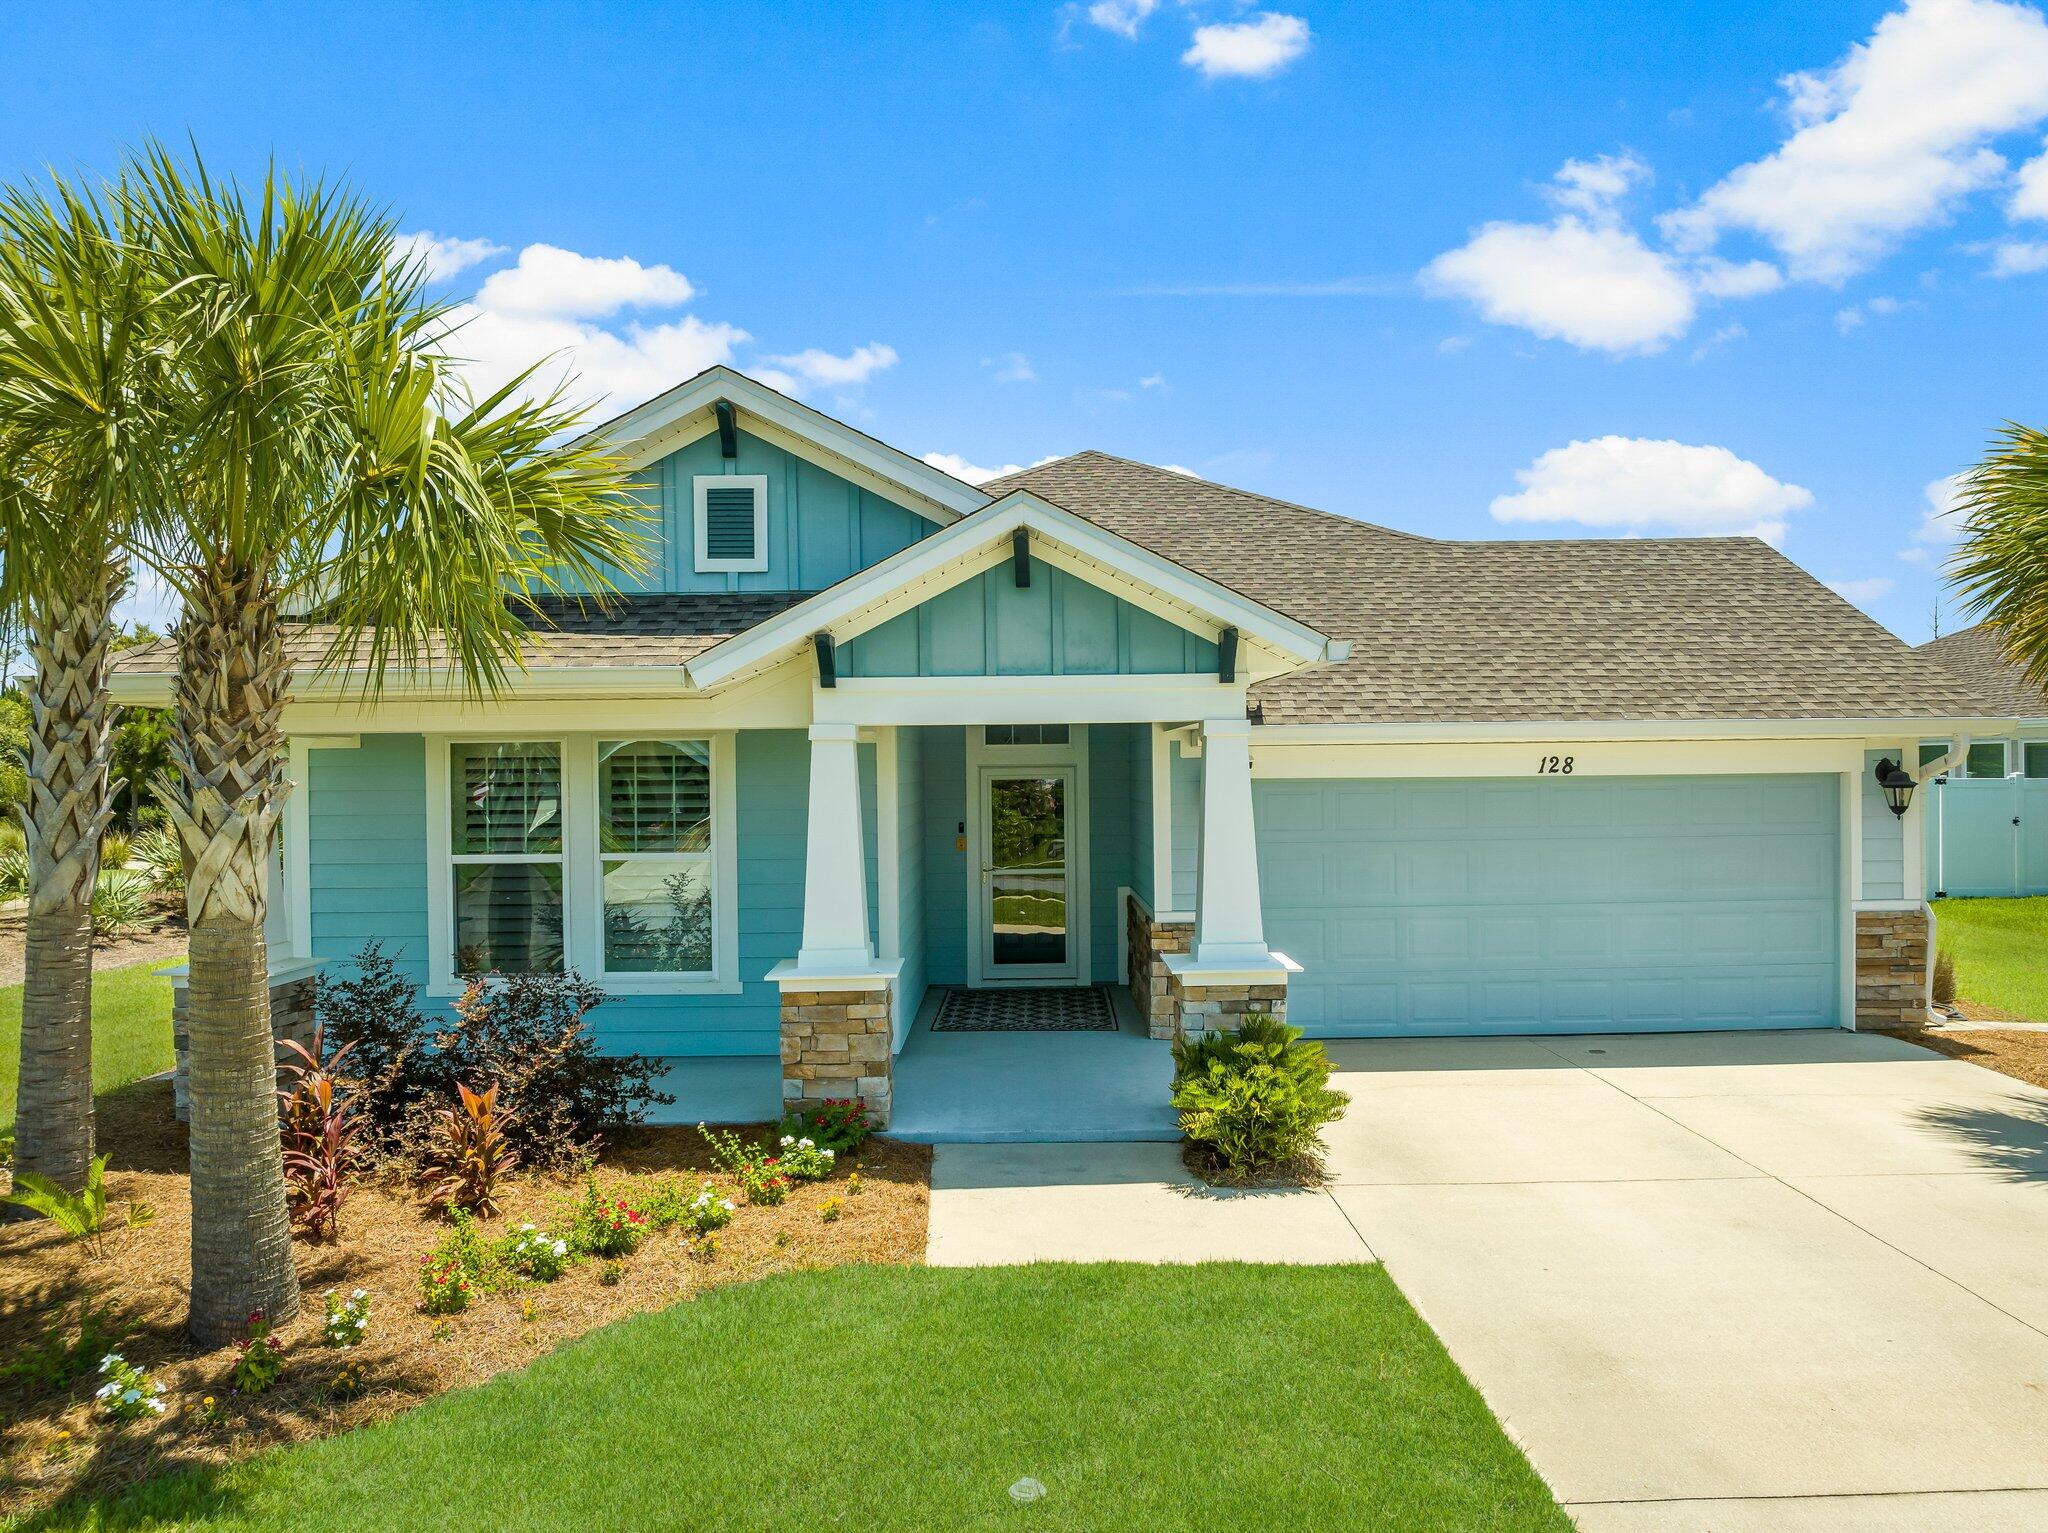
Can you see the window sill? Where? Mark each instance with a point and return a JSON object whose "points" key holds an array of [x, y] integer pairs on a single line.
{"points": [[617, 986]]}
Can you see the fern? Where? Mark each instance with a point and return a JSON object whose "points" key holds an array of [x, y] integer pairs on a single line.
{"points": [[81, 1215]]}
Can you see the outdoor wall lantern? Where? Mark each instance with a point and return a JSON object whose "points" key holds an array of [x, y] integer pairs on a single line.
{"points": [[1898, 787]]}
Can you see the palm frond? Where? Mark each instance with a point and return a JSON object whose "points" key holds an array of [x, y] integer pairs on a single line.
{"points": [[2000, 567]]}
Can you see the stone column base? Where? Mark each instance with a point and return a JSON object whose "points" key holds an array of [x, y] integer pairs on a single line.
{"points": [[1891, 968], [291, 1016], [1148, 942], [1195, 1009], [837, 1044]]}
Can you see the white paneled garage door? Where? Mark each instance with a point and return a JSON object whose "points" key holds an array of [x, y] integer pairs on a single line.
{"points": [[1554, 905]]}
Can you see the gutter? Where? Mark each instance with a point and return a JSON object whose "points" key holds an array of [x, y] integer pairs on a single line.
{"points": [[153, 689], [1624, 729]]}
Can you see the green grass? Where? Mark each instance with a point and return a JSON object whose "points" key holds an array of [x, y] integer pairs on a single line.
{"points": [[1194, 1398], [131, 1031], [2001, 952]]}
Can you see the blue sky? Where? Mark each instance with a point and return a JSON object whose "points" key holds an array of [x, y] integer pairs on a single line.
{"points": [[1468, 270]]}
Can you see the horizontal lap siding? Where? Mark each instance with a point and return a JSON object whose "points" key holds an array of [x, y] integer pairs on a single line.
{"points": [[366, 863], [1485, 906]]}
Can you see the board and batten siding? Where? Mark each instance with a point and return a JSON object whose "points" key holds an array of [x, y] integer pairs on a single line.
{"points": [[1118, 754], [367, 868], [1058, 625], [1884, 836], [821, 528]]}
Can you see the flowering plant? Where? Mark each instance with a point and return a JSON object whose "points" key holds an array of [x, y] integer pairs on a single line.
{"points": [[709, 1211], [444, 1286], [347, 1382], [762, 1177], [129, 1394], [606, 1226], [347, 1319], [258, 1360], [803, 1161], [533, 1253], [838, 1124]]}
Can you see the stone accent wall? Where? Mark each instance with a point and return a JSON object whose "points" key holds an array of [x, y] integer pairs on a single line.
{"points": [[1146, 941], [1197, 1009], [836, 1043], [1891, 968], [291, 1016]]}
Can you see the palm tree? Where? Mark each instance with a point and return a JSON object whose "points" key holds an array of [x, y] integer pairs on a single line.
{"points": [[327, 456], [2001, 565], [76, 444]]}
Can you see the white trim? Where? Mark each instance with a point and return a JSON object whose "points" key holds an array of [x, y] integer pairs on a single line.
{"points": [[1851, 829], [1071, 761], [1191, 971], [878, 974], [684, 414], [1588, 758], [888, 851], [1449, 731], [582, 886], [297, 830], [914, 574], [701, 486], [1162, 819], [1022, 699]]}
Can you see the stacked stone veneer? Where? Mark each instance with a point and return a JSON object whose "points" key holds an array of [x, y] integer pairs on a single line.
{"points": [[1197, 1009], [1891, 968], [837, 1044], [1148, 942], [291, 1016]]}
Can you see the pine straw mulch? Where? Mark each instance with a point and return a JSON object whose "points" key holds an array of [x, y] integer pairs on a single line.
{"points": [[407, 1357], [2020, 1051], [162, 941]]}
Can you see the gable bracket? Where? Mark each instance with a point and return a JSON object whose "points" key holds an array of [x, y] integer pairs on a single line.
{"points": [[1020, 554], [1226, 655], [828, 659], [728, 430]]}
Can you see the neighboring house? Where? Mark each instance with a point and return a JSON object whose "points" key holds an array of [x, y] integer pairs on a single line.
{"points": [[864, 731], [1987, 827]]}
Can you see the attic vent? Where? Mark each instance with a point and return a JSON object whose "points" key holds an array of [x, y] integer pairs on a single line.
{"points": [[732, 522]]}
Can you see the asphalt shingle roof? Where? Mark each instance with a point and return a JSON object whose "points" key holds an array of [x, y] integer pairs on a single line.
{"points": [[1977, 656], [1516, 631]]}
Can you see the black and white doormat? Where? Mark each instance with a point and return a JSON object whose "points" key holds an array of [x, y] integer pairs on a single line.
{"points": [[1066, 1010]]}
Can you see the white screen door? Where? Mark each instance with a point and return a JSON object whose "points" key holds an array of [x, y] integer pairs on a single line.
{"points": [[1028, 905]]}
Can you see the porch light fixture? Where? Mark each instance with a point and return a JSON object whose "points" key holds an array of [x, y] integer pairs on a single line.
{"points": [[1898, 787]]}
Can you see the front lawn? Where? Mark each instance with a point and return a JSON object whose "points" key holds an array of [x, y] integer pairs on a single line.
{"points": [[131, 1031], [1198, 1397], [2001, 953]]}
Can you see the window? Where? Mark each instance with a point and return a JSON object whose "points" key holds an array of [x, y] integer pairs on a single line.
{"points": [[1024, 734], [505, 851], [2037, 758], [731, 522], [654, 853], [1986, 759], [1933, 750]]}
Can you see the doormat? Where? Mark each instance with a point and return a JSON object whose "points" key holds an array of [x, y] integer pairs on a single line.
{"points": [[1066, 1010]]}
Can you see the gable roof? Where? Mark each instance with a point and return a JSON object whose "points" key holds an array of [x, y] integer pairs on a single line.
{"points": [[1977, 656], [1517, 631]]}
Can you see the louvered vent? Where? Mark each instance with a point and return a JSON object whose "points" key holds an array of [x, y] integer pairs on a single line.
{"points": [[729, 524]]}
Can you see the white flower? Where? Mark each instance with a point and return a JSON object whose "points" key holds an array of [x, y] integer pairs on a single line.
{"points": [[561, 1248], [728, 1205], [803, 1144], [359, 1294], [787, 1140], [156, 1405], [107, 1391], [111, 1360], [827, 1154]]}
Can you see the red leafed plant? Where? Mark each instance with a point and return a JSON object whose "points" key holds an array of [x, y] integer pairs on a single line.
{"points": [[470, 1153], [318, 1124]]}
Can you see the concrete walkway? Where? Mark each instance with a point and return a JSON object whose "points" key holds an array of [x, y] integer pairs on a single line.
{"points": [[1724, 1281]]}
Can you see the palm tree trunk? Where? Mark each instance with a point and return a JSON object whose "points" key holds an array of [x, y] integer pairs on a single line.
{"points": [[68, 804], [225, 802]]}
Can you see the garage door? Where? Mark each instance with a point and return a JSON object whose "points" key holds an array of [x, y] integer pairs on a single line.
{"points": [[1553, 906]]}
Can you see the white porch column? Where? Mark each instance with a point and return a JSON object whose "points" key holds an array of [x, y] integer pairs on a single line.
{"points": [[835, 862], [1230, 925]]}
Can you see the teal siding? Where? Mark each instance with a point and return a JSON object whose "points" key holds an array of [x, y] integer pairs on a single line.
{"points": [[910, 857], [1141, 813], [1113, 759], [1184, 780], [1884, 836], [821, 528], [1582, 905], [945, 865], [366, 862], [1974, 848], [1056, 626]]}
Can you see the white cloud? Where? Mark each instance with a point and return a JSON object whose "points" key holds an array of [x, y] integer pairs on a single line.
{"points": [[1862, 592], [1886, 141], [1011, 367], [549, 280], [602, 368], [1253, 49], [1152, 381], [1594, 285], [952, 463], [1941, 520], [1123, 17], [441, 255], [1635, 485], [1175, 468], [1853, 317], [1736, 279], [1592, 187], [2018, 258], [2030, 189], [826, 369], [1721, 337]]}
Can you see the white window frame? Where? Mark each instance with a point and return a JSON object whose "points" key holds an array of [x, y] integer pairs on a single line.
{"points": [[582, 863], [2031, 745], [2005, 748], [701, 487]]}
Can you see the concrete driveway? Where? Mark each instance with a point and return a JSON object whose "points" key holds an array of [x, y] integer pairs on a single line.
{"points": [[1709, 1281]]}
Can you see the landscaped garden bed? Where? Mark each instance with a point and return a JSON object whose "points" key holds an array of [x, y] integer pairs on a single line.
{"points": [[53, 1442]]}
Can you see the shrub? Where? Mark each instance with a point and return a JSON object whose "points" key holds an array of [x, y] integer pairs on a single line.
{"points": [[803, 1161], [1255, 1099], [1944, 977], [610, 1273], [535, 1254], [838, 1125], [527, 1032], [606, 1226], [13, 874], [81, 1215], [162, 859], [128, 1394], [347, 1382], [760, 1175], [59, 1357], [318, 1124], [444, 1286], [470, 1153], [115, 850], [348, 1320], [258, 1358], [120, 901], [710, 1210]]}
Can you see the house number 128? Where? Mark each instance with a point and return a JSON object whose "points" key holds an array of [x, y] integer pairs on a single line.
{"points": [[1560, 766]]}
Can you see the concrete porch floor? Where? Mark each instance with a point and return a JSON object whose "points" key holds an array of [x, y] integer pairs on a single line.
{"points": [[1033, 1088]]}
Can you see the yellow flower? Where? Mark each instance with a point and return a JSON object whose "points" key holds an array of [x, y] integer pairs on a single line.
{"points": [[207, 1401]]}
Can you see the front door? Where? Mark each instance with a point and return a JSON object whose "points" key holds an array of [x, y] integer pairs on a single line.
{"points": [[1030, 904]]}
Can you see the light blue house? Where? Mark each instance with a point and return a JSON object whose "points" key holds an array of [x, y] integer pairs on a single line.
{"points": [[962, 798], [1987, 827]]}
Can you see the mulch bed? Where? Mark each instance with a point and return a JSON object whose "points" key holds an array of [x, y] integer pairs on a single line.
{"points": [[407, 1357], [163, 941], [2019, 1051]]}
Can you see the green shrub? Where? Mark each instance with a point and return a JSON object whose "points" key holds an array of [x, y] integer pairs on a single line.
{"points": [[838, 1124], [81, 1215], [1944, 977], [120, 900], [606, 1226], [161, 857], [1256, 1099], [13, 874], [115, 850], [258, 1359]]}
